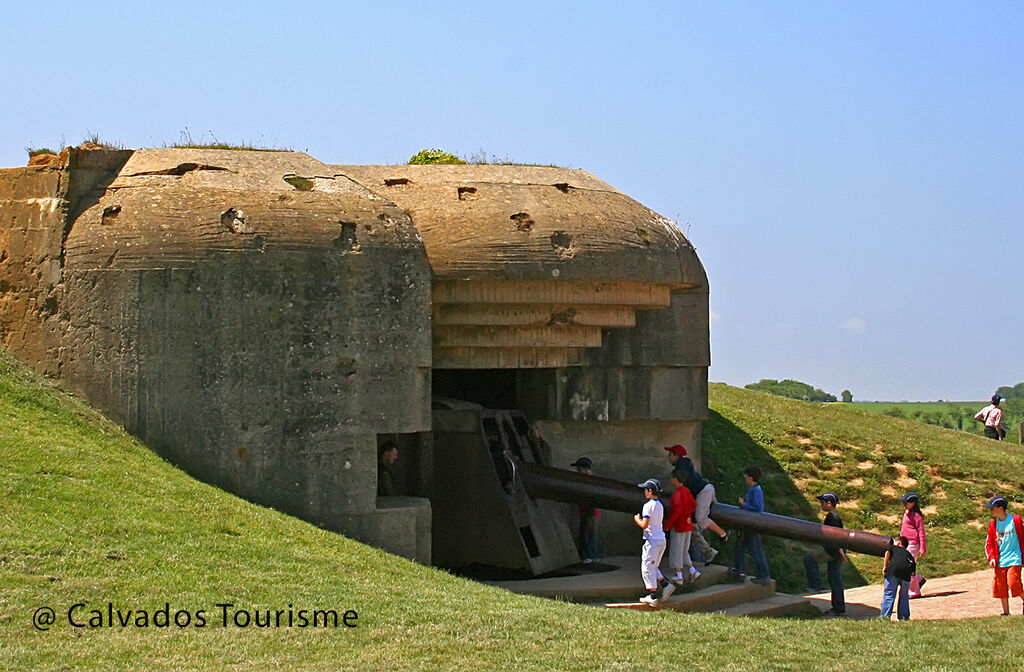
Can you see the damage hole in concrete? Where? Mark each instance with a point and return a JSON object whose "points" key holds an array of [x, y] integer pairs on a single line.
{"points": [[179, 170], [300, 183], [562, 187], [522, 220], [234, 220], [347, 366], [396, 181], [3, 256], [346, 242], [563, 244], [467, 193], [110, 259], [110, 213], [562, 317], [643, 235]]}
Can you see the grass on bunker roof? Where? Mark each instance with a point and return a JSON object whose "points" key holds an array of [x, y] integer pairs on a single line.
{"points": [[88, 515]]}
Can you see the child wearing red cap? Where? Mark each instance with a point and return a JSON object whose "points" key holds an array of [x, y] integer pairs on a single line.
{"points": [[704, 493]]}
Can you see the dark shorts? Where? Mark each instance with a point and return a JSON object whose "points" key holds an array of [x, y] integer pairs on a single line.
{"points": [[991, 432]]}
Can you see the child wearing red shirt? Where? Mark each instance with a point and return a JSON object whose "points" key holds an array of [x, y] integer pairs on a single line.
{"points": [[680, 522]]}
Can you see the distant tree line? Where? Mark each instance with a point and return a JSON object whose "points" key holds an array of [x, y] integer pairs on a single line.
{"points": [[1015, 392], [794, 389]]}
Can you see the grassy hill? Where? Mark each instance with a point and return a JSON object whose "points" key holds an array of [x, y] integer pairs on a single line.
{"points": [[87, 515]]}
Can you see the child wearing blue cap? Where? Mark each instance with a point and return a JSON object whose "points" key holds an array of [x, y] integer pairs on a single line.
{"points": [[1004, 547], [651, 521]]}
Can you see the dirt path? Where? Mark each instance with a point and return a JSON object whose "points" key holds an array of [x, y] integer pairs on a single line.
{"points": [[950, 597]]}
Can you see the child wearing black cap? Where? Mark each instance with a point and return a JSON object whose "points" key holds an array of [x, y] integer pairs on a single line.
{"points": [[587, 537], [992, 416], [1004, 547], [835, 557], [651, 521]]}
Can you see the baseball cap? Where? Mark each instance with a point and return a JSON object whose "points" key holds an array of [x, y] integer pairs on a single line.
{"points": [[651, 484], [584, 462], [910, 498], [830, 497], [998, 500], [677, 449]]}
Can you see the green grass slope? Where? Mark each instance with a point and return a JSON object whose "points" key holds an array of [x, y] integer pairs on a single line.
{"points": [[869, 461], [87, 515]]}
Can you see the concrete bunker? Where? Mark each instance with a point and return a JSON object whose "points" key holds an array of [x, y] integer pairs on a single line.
{"points": [[271, 354]]}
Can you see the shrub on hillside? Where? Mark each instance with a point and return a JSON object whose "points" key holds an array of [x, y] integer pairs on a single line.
{"points": [[435, 156]]}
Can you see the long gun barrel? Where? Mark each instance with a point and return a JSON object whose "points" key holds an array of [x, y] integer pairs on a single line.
{"points": [[604, 493]]}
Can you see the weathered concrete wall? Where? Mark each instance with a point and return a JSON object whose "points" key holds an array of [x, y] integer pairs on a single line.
{"points": [[252, 332], [31, 228]]}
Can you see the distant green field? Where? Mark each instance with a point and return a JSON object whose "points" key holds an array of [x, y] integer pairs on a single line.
{"points": [[957, 415], [909, 407]]}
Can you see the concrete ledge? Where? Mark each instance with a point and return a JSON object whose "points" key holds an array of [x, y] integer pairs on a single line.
{"points": [[400, 525]]}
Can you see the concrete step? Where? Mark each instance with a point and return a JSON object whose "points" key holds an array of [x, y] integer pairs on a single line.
{"points": [[622, 582], [718, 597], [778, 605]]}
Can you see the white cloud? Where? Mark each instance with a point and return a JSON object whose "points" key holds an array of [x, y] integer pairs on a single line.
{"points": [[855, 325]]}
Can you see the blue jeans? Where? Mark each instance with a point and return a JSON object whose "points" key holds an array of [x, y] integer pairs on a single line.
{"points": [[835, 576], [751, 542], [892, 585]]}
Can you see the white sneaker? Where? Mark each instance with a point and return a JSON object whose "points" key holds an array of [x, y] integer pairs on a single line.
{"points": [[667, 591], [694, 574], [710, 557], [649, 600]]}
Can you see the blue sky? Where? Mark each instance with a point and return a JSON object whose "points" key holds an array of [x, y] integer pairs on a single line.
{"points": [[850, 173]]}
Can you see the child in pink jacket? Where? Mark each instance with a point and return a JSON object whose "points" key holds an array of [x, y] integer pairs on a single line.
{"points": [[913, 530]]}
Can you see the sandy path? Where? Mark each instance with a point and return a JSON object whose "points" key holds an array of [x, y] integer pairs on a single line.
{"points": [[949, 597]]}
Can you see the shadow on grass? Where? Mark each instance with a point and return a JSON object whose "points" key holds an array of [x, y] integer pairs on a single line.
{"points": [[727, 451]]}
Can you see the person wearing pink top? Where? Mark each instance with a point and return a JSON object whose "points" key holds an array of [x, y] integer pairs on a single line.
{"points": [[992, 416], [913, 530]]}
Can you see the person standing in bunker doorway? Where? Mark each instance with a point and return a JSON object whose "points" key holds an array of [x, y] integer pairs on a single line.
{"points": [[587, 537], [992, 416], [704, 493], [387, 455]]}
